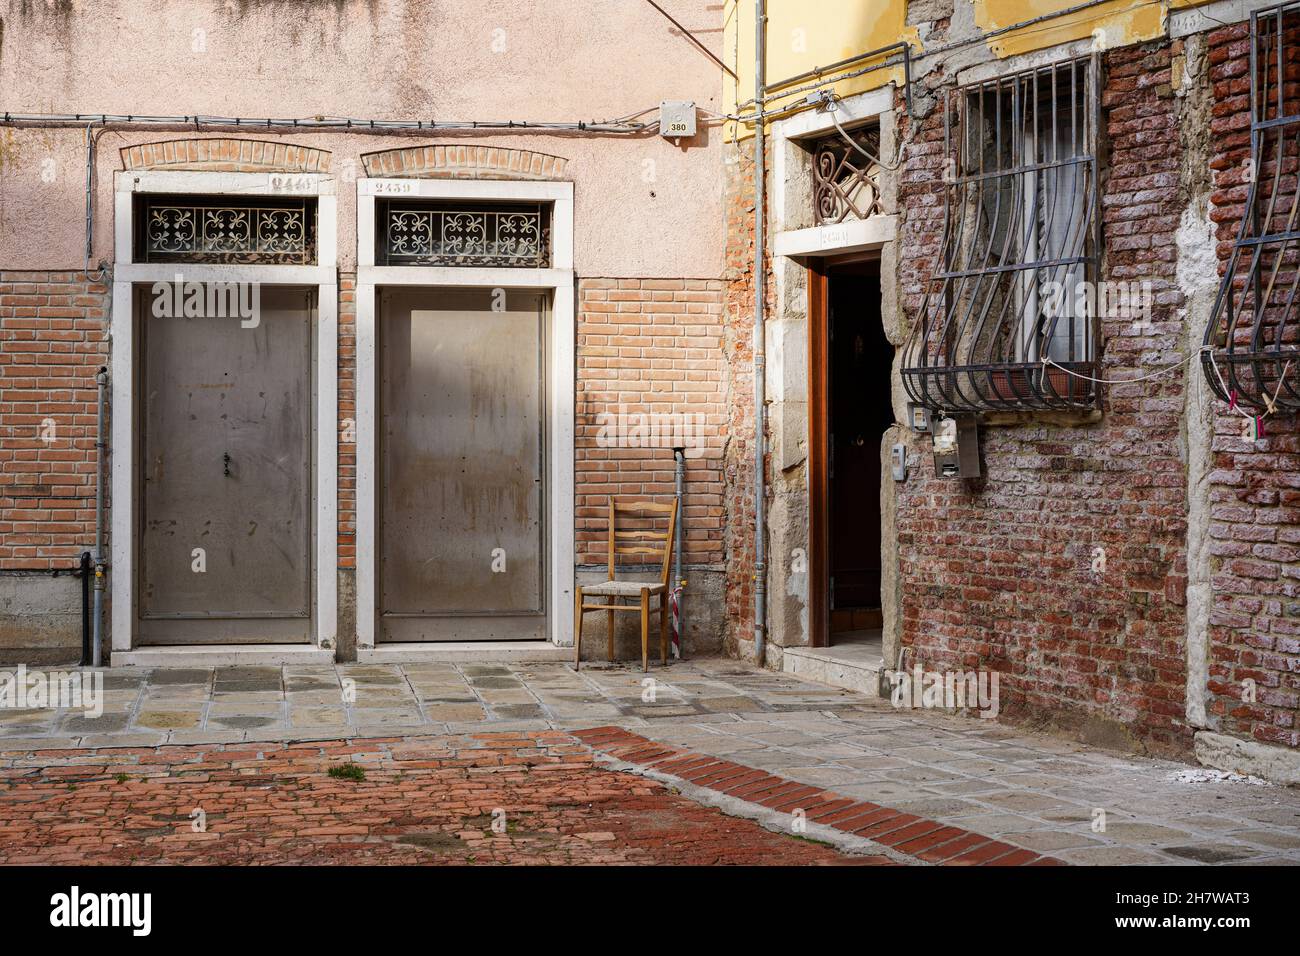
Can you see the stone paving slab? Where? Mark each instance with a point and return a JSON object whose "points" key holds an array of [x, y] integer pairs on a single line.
{"points": [[168, 705], [902, 831], [1041, 793], [1035, 791]]}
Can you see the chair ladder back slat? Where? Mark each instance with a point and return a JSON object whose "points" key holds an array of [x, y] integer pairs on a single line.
{"points": [[647, 541], [655, 506]]}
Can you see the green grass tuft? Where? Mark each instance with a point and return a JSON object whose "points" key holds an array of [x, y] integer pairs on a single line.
{"points": [[347, 771]]}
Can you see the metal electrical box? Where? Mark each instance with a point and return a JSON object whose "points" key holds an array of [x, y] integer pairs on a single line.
{"points": [[898, 461], [677, 119], [956, 448]]}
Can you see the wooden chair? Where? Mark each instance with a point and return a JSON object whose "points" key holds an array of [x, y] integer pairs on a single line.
{"points": [[632, 541]]}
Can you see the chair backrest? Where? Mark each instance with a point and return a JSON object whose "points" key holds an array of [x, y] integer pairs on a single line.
{"points": [[641, 539]]}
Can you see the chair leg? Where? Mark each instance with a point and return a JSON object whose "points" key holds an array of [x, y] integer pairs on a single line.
{"points": [[577, 630], [663, 626], [645, 630], [609, 631]]}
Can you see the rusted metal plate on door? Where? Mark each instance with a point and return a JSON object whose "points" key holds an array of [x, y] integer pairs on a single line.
{"points": [[462, 499], [225, 470]]}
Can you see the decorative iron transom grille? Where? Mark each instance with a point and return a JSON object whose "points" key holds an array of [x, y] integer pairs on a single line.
{"points": [[846, 180], [1253, 336], [225, 229], [464, 234], [1009, 320]]}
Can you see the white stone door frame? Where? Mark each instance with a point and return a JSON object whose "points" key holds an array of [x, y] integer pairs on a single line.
{"points": [[127, 274], [795, 240], [558, 280]]}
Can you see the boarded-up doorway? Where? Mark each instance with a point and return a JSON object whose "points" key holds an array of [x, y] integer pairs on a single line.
{"points": [[462, 499], [225, 486]]}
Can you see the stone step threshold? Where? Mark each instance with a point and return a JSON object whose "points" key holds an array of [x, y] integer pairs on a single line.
{"points": [[221, 655], [855, 665], [460, 652], [229, 655]]}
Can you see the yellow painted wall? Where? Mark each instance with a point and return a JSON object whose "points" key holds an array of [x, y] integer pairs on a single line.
{"points": [[1117, 23], [807, 34]]}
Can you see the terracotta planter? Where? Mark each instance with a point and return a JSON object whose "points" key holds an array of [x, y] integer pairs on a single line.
{"points": [[1013, 385]]}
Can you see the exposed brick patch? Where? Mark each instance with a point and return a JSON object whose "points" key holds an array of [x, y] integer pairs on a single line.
{"points": [[650, 350], [52, 342], [738, 350], [927, 840], [226, 155], [463, 162], [1254, 494], [423, 801]]}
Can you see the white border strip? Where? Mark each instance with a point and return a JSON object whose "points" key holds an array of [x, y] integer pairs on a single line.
{"points": [[559, 280], [324, 276]]}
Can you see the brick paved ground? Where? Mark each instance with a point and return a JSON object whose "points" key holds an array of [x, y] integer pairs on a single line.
{"points": [[1033, 791], [426, 801]]}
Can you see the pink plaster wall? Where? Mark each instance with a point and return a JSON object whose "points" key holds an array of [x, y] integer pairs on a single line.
{"points": [[644, 206]]}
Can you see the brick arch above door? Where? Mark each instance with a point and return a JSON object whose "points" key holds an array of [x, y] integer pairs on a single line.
{"points": [[223, 154], [464, 162]]}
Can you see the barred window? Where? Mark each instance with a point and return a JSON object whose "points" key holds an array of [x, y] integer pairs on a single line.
{"points": [[225, 230], [1009, 319], [1252, 337], [439, 233]]}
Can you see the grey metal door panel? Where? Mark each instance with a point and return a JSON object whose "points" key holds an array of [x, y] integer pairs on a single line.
{"points": [[462, 498], [225, 466]]}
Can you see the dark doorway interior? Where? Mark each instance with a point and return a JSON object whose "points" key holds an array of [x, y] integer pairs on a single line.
{"points": [[859, 411]]}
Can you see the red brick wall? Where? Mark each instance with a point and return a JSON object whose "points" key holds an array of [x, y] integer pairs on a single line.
{"points": [[997, 573], [51, 345], [1254, 486], [650, 347]]}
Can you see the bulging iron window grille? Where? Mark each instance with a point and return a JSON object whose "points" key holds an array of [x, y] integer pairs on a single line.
{"points": [[1009, 320], [225, 230], [846, 180], [1253, 337], [436, 233]]}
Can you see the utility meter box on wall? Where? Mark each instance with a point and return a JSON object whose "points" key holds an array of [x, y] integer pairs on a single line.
{"points": [[918, 417], [677, 119], [956, 448]]}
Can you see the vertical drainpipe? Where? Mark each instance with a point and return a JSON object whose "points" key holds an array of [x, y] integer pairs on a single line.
{"points": [[760, 355], [679, 591]]}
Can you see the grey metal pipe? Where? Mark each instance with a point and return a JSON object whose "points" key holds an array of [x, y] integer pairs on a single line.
{"points": [[90, 186], [84, 574], [101, 446], [821, 73], [760, 342], [679, 617], [198, 121]]}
